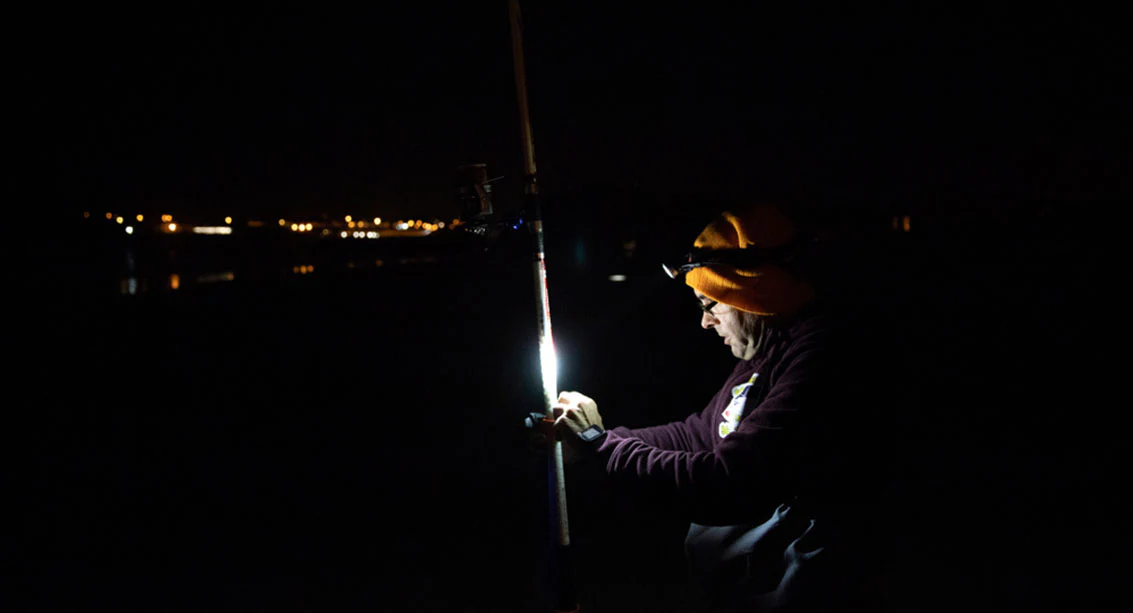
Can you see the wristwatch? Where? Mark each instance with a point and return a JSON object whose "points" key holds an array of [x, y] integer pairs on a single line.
{"points": [[591, 434]]}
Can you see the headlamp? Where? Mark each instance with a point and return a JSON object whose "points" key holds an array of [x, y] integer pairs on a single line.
{"points": [[750, 257]]}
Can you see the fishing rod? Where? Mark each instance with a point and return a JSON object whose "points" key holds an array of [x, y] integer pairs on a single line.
{"points": [[561, 570], [482, 220]]}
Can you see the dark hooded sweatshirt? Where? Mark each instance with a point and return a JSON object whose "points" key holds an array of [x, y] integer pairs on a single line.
{"points": [[781, 474]]}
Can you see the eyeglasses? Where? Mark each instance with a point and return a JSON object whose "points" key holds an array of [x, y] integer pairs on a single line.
{"points": [[708, 306]]}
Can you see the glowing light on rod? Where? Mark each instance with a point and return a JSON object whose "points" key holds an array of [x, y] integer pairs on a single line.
{"points": [[549, 365]]}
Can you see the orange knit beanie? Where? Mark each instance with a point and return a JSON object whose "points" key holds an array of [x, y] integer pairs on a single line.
{"points": [[766, 289]]}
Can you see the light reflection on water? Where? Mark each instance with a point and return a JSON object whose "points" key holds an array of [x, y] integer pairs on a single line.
{"points": [[134, 283], [130, 286], [216, 277]]}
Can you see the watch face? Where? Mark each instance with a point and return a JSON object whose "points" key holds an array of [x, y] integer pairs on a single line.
{"points": [[591, 433]]}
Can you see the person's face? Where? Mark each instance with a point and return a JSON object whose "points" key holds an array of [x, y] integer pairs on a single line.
{"points": [[739, 329]]}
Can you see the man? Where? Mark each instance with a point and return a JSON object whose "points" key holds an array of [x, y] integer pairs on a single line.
{"points": [[781, 473]]}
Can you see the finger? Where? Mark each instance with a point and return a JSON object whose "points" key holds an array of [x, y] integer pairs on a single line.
{"points": [[567, 423]]}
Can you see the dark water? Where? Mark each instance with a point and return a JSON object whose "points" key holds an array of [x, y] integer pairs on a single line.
{"points": [[296, 428]]}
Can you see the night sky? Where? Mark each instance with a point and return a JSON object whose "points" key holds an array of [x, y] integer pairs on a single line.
{"points": [[328, 108]]}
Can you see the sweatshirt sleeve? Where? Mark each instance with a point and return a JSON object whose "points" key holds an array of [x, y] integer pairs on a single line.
{"points": [[751, 468], [686, 435]]}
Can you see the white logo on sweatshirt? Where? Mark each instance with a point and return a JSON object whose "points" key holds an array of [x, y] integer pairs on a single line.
{"points": [[735, 408]]}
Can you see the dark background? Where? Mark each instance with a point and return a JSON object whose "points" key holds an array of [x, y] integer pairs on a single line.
{"points": [[350, 439]]}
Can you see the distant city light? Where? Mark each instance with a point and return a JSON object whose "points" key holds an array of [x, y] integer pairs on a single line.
{"points": [[174, 281], [905, 223], [617, 278], [212, 230], [362, 228], [349, 224]]}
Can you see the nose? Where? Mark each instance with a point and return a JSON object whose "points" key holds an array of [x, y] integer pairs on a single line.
{"points": [[707, 320]]}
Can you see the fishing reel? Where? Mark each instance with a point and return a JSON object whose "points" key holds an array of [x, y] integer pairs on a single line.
{"points": [[491, 227], [474, 193]]}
